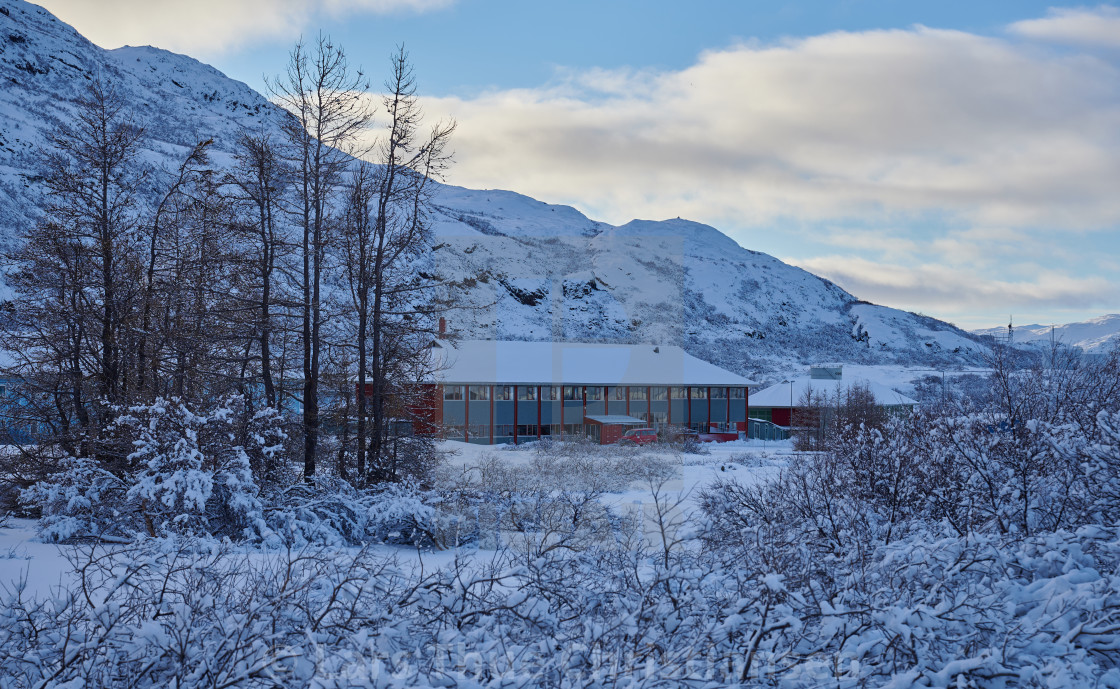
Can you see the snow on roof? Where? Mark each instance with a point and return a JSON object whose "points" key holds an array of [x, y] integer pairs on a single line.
{"points": [[573, 363], [615, 419], [779, 395]]}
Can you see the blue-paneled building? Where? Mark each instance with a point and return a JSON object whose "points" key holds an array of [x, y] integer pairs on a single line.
{"points": [[492, 391]]}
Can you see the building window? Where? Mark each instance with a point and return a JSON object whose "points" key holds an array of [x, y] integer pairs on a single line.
{"points": [[453, 392], [638, 394], [572, 430], [659, 394], [738, 393], [480, 431], [550, 392], [658, 417], [594, 393], [719, 393], [618, 394], [479, 393], [555, 429], [764, 414], [503, 392], [503, 430], [526, 393], [526, 431], [571, 393], [454, 432], [678, 393], [699, 393]]}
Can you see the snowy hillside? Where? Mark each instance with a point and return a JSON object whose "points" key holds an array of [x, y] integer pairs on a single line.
{"points": [[45, 65], [532, 270], [1095, 334], [550, 272]]}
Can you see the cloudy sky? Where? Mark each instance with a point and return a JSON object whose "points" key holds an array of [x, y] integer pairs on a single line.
{"points": [[959, 159]]}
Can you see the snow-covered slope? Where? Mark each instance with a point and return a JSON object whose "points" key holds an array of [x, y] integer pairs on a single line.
{"points": [[531, 270], [45, 65], [1095, 334], [548, 272]]}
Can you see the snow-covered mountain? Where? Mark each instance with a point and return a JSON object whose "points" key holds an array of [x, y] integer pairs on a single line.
{"points": [[1093, 335], [533, 270], [45, 65]]}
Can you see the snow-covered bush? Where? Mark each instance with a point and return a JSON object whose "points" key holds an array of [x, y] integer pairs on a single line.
{"points": [[82, 500], [331, 512], [987, 610], [546, 497], [187, 473], [195, 474]]}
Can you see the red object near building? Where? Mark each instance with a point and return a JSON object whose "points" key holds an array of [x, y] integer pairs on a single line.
{"points": [[639, 436], [423, 408], [718, 437], [426, 410]]}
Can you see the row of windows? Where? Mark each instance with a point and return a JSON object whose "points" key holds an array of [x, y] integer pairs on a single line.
{"points": [[575, 393], [505, 432], [502, 431]]}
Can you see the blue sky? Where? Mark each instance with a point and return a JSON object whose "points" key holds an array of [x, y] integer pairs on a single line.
{"points": [[957, 159]]}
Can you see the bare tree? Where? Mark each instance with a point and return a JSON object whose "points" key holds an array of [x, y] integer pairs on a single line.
{"points": [[192, 167], [329, 113], [386, 226], [91, 180], [47, 336], [71, 320], [260, 178]]}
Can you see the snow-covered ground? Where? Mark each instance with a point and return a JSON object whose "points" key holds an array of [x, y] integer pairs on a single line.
{"points": [[45, 565], [902, 379]]}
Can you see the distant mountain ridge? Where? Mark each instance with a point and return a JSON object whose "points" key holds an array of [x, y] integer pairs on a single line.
{"points": [[1093, 335], [533, 271]]}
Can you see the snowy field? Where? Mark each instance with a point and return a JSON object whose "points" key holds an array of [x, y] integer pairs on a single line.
{"points": [[43, 566]]}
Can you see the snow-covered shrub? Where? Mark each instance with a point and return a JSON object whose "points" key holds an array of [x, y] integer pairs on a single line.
{"points": [[187, 473], [549, 496], [1095, 455], [401, 514], [173, 483], [262, 436], [82, 500], [1041, 455], [986, 610], [194, 472], [197, 474], [332, 512]]}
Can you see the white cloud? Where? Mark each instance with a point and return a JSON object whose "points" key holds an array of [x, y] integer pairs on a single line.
{"points": [[206, 28], [839, 125], [955, 293], [1077, 26]]}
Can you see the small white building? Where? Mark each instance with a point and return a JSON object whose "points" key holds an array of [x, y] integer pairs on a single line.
{"points": [[778, 402]]}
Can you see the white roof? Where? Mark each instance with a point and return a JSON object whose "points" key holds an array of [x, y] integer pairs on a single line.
{"points": [[779, 395], [573, 363], [615, 419]]}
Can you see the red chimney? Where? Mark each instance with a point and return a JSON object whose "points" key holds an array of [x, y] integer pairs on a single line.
{"points": [[442, 327]]}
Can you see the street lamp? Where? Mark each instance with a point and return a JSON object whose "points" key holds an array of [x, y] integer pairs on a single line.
{"points": [[790, 382]]}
